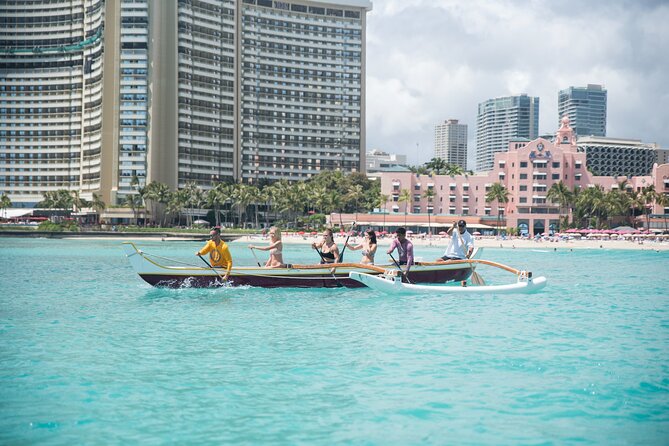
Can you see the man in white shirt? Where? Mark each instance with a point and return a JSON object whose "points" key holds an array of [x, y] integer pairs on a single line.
{"points": [[462, 243]]}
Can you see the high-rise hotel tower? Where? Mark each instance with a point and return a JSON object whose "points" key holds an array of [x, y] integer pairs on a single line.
{"points": [[51, 76], [194, 91], [586, 109], [499, 121], [450, 142]]}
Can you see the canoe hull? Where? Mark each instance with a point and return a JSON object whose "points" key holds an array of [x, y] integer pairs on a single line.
{"points": [[299, 276]]}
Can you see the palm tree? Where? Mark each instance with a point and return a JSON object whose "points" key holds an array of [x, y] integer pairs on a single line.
{"points": [[151, 192], [383, 201], [662, 200], [98, 205], [405, 197], [217, 197], [454, 170], [437, 165], [134, 202], [648, 196], [593, 202], [429, 195], [560, 193], [499, 193], [355, 193], [5, 203]]}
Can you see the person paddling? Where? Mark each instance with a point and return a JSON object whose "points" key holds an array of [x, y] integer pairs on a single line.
{"points": [[368, 247], [404, 248], [219, 254], [461, 245], [327, 248], [275, 249]]}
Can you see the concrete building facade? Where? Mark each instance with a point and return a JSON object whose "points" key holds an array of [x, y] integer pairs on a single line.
{"points": [[500, 120], [616, 156], [51, 74], [195, 91], [586, 109], [450, 142], [376, 160]]}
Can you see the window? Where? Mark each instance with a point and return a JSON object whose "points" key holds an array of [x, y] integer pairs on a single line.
{"points": [[556, 164], [416, 187], [523, 188], [523, 164], [523, 176], [555, 176], [416, 197], [416, 209], [522, 199]]}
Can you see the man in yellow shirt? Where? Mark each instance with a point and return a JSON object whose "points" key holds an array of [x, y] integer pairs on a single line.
{"points": [[218, 251]]}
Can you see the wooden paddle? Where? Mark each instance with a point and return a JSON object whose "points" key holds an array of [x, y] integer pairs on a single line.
{"points": [[213, 269], [254, 255], [476, 277], [400, 268], [341, 254]]}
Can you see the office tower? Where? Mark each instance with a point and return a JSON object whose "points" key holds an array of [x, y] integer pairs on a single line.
{"points": [[586, 108], [450, 142], [203, 91], [500, 120], [51, 98]]}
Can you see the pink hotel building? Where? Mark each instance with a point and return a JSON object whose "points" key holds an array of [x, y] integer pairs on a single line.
{"points": [[527, 170]]}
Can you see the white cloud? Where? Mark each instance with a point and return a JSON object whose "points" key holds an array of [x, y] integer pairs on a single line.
{"points": [[430, 60]]}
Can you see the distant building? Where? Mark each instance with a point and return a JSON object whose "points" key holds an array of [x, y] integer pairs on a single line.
{"points": [[499, 121], [527, 169], [662, 156], [377, 160], [586, 109], [450, 142], [615, 156]]}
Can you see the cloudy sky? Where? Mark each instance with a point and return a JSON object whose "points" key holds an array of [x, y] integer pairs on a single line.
{"points": [[431, 60]]}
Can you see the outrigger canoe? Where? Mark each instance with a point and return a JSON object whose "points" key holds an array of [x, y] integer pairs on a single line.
{"points": [[391, 284], [152, 270]]}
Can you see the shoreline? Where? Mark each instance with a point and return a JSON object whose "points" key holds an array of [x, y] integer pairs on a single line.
{"points": [[441, 242], [485, 242]]}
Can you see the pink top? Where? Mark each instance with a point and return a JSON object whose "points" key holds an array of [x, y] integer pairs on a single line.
{"points": [[405, 250]]}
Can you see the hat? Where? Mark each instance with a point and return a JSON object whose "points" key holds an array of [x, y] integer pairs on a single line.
{"points": [[462, 223]]}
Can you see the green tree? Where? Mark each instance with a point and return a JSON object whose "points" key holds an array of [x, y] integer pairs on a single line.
{"points": [[429, 195], [499, 193], [5, 203], [354, 194], [648, 195], [560, 193], [98, 205], [217, 197], [437, 165], [383, 202], [405, 197]]}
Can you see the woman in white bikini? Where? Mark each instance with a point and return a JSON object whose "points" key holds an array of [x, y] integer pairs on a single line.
{"points": [[368, 247], [275, 249]]}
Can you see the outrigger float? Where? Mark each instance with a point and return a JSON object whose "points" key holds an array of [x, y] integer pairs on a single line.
{"points": [[391, 283], [151, 269]]}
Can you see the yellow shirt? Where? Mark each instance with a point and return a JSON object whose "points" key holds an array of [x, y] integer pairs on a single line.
{"points": [[219, 255]]}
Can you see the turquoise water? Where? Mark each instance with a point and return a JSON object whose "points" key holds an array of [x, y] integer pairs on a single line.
{"points": [[91, 354]]}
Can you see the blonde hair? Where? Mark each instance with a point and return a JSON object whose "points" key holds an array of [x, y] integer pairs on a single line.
{"points": [[277, 232]]}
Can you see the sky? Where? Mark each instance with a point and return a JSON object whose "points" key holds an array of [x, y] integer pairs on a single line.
{"points": [[432, 60]]}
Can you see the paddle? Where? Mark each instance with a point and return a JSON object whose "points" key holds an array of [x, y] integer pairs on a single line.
{"points": [[212, 268], [332, 270], [341, 255], [476, 277], [400, 268], [254, 255]]}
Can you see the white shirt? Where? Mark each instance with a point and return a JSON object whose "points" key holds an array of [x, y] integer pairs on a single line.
{"points": [[457, 248]]}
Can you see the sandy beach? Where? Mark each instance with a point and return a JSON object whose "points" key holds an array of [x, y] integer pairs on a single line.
{"points": [[645, 243]]}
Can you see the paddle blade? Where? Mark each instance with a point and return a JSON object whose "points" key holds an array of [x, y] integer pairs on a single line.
{"points": [[477, 279]]}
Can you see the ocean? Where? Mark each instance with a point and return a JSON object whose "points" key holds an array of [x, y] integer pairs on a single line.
{"points": [[89, 353]]}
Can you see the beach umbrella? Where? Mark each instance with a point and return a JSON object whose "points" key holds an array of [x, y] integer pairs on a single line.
{"points": [[200, 222], [444, 233], [476, 233], [301, 233], [314, 233], [409, 231]]}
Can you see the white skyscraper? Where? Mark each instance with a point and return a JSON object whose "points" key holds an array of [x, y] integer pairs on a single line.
{"points": [[450, 142]]}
